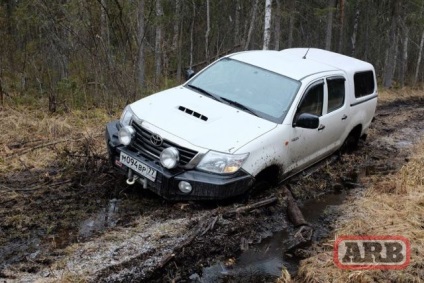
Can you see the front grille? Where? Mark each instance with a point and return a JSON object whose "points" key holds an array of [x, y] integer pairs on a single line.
{"points": [[142, 144]]}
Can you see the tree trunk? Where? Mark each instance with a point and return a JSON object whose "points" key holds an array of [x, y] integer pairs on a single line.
{"points": [[252, 24], [390, 65], [208, 30], [367, 31], [420, 53], [267, 24], [277, 23], [158, 41], [355, 31], [237, 24], [104, 24], [292, 12], [177, 20], [192, 34], [329, 32], [140, 46], [341, 25], [404, 64], [10, 27]]}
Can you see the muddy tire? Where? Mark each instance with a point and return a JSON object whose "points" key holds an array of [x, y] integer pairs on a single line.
{"points": [[258, 187], [351, 142]]}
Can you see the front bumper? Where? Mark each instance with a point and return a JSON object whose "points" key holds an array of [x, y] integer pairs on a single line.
{"points": [[206, 186]]}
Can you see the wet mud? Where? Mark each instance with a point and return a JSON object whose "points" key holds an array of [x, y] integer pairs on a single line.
{"points": [[50, 214]]}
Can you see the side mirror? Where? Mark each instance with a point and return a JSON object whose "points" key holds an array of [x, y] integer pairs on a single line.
{"points": [[189, 74], [306, 120]]}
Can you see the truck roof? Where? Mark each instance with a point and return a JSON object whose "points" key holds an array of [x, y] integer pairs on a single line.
{"points": [[292, 62]]}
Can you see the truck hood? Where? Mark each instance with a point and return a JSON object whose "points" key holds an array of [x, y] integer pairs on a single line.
{"points": [[200, 120]]}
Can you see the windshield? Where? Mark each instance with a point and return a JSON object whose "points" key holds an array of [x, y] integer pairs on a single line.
{"points": [[252, 89]]}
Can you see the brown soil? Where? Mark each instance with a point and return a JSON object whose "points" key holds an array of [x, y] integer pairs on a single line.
{"points": [[76, 220]]}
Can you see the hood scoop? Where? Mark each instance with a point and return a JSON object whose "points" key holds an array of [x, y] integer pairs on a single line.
{"points": [[193, 113]]}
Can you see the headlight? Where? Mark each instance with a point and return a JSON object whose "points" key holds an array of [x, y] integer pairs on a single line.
{"points": [[222, 163], [126, 116], [126, 134], [169, 157]]}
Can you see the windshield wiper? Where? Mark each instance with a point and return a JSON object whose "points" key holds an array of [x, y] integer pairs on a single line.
{"points": [[205, 92], [241, 106]]}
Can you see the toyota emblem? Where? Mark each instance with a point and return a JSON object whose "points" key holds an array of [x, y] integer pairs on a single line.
{"points": [[156, 140]]}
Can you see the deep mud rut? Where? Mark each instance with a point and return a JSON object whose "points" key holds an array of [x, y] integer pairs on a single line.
{"points": [[77, 220]]}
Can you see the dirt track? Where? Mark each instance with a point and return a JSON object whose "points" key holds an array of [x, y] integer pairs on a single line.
{"points": [[77, 220]]}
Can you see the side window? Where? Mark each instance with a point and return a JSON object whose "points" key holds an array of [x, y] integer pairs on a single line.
{"points": [[364, 83], [312, 101], [336, 93]]}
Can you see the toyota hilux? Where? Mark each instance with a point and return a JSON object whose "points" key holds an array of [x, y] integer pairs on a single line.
{"points": [[249, 118]]}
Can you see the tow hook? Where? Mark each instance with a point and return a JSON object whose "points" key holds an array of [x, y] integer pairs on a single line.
{"points": [[131, 177]]}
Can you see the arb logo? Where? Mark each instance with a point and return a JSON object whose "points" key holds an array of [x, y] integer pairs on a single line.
{"points": [[372, 252]]}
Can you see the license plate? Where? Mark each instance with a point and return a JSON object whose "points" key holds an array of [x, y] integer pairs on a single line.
{"points": [[138, 166]]}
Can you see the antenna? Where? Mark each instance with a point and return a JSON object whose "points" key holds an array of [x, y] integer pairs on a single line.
{"points": [[304, 56]]}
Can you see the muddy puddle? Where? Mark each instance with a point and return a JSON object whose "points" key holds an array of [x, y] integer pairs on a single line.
{"points": [[107, 217], [264, 262]]}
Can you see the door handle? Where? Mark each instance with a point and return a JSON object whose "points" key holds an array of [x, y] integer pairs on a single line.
{"points": [[344, 117], [321, 127]]}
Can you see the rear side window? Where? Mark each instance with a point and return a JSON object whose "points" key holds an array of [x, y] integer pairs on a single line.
{"points": [[364, 83]]}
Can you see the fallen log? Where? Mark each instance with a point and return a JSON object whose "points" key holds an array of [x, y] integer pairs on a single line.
{"points": [[304, 232], [293, 210], [250, 207]]}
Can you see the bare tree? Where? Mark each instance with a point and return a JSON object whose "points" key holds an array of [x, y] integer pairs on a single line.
{"points": [[420, 53], [177, 21], [277, 23], [329, 32], [192, 34], [267, 24], [237, 24], [292, 13], [252, 24], [341, 24], [140, 45], [355, 30], [404, 63], [208, 29], [392, 51], [158, 41]]}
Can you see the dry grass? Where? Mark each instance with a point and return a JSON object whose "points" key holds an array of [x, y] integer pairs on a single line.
{"points": [[388, 95], [32, 138], [394, 205]]}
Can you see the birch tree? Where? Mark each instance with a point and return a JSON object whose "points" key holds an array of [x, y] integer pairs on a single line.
{"points": [[355, 30], [267, 24]]}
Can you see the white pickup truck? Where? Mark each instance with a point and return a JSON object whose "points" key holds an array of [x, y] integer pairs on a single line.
{"points": [[247, 119]]}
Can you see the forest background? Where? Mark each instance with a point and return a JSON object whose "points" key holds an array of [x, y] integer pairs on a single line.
{"points": [[78, 54]]}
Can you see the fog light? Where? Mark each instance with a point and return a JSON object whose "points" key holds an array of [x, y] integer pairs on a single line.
{"points": [[169, 157], [126, 134], [185, 187]]}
